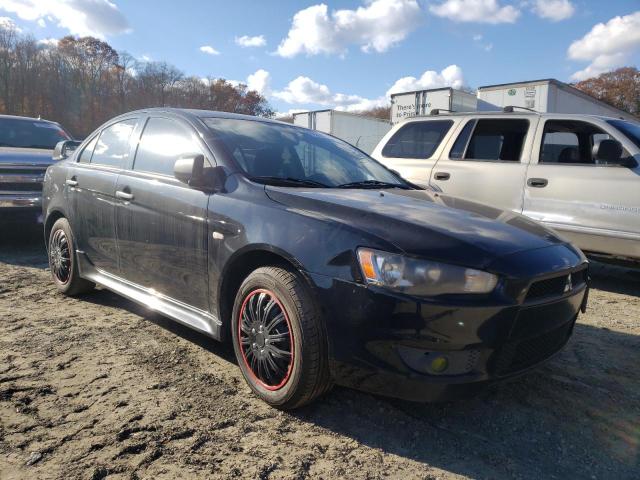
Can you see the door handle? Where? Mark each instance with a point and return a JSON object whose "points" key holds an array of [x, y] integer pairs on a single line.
{"points": [[72, 182], [121, 194], [537, 182], [442, 176]]}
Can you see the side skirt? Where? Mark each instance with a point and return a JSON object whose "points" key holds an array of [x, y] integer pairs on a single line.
{"points": [[191, 317]]}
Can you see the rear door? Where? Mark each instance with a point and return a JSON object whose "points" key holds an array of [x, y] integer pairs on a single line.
{"points": [[161, 222], [595, 204], [486, 161], [412, 149], [91, 184]]}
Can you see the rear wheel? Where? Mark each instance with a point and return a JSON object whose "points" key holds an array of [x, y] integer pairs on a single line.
{"points": [[278, 338], [62, 260]]}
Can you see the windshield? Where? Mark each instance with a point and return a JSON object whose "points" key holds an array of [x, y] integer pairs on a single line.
{"points": [[294, 156], [30, 133], [630, 129]]}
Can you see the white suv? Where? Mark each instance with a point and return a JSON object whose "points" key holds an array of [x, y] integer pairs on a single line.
{"points": [[579, 174]]}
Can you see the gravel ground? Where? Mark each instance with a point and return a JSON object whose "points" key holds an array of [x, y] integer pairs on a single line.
{"points": [[97, 387]]}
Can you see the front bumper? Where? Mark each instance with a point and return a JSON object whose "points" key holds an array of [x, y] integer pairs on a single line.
{"points": [[21, 208], [383, 343]]}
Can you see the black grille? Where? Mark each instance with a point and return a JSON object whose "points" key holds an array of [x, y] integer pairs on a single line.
{"points": [[20, 187], [22, 170], [554, 287], [515, 356]]}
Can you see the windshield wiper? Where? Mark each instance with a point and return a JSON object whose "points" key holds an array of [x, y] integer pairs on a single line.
{"points": [[290, 181], [372, 184]]}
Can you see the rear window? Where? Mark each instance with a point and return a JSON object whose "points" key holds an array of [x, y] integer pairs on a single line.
{"points": [[417, 139], [112, 148], [30, 133]]}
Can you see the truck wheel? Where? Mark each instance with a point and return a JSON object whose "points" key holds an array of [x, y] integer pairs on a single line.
{"points": [[279, 339], [62, 261]]}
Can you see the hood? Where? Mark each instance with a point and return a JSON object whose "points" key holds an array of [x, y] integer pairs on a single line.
{"points": [[424, 223], [26, 156]]}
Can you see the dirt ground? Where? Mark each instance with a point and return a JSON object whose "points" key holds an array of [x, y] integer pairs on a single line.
{"points": [[97, 387]]}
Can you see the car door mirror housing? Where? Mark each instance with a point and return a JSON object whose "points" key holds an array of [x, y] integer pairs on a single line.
{"points": [[190, 169], [607, 151], [64, 149]]}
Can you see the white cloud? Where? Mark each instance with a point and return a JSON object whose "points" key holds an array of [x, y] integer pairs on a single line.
{"points": [[607, 46], [8, 24], [98, 18], [260, 82], [247, 41], [554, 10], [480, 11], [479, 41], [48, 42], [305, 91], [377, 26], [449, 77], [209, 50]]}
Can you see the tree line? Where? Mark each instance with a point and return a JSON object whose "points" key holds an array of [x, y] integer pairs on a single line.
{"points": [[82, 82]]}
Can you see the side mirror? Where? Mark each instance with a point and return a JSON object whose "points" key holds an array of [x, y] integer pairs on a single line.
{"points": [[607, 151], [64, 149], [190, 169]]}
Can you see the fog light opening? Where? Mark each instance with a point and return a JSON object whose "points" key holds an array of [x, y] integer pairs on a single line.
{"points": [[439, 364]]}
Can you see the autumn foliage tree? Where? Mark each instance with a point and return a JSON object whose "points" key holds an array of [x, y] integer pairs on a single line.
{"points": [[82, 82], [619, 88]]}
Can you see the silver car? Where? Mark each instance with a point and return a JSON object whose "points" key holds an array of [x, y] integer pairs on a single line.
{"points": [[578, 174]]}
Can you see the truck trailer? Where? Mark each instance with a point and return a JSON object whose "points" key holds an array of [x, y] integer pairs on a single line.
{"points": [[358, 130], [422, 102], [545, 96]]}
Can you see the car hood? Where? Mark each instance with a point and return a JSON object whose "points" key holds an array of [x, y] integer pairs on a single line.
{"points": [[424, 223], [25, 156]]}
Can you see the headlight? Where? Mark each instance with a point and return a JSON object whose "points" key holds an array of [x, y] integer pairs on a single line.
{"points": [[421, 277]]}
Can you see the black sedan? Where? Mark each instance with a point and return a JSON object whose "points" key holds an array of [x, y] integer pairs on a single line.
{"points": [[317, 262]]}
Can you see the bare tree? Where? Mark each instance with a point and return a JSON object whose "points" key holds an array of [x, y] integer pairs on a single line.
{"points": [[81, 82]]}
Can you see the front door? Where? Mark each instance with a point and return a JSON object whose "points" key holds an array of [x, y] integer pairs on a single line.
{"points": [[91, 185], [161, 222], [593, 203], [487, 162]]}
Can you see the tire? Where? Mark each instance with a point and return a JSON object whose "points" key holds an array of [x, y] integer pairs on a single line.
{"points": [[280, 298], [63, 261]]}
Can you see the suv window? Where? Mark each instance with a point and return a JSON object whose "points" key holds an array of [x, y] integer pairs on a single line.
{"points": [[163, 142], [497, 140], [112, 148], [417, 139], [458, 149], [27, 133], [570, 142]]}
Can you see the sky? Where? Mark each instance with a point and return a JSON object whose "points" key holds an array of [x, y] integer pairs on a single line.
{"points": [[353, 54]]}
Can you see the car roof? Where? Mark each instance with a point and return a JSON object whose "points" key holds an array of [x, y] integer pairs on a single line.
{"points": [[193, 113], [32, 119]]}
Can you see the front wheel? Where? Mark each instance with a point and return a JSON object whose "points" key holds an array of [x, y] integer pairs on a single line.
{"points": [[62, 260], [278, 338]]}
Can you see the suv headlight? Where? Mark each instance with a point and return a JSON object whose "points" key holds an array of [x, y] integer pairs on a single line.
{"points": [[422, 277]]}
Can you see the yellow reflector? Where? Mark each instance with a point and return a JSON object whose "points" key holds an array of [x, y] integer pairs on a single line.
{"points": [[439, 364], [366, 260]]}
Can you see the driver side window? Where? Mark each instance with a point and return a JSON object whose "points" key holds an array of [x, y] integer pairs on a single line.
{"points": [[567, 142]]}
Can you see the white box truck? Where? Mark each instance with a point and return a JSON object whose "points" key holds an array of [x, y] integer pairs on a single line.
{"points": [[359, 130], [546, 96], [422, 102]]}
